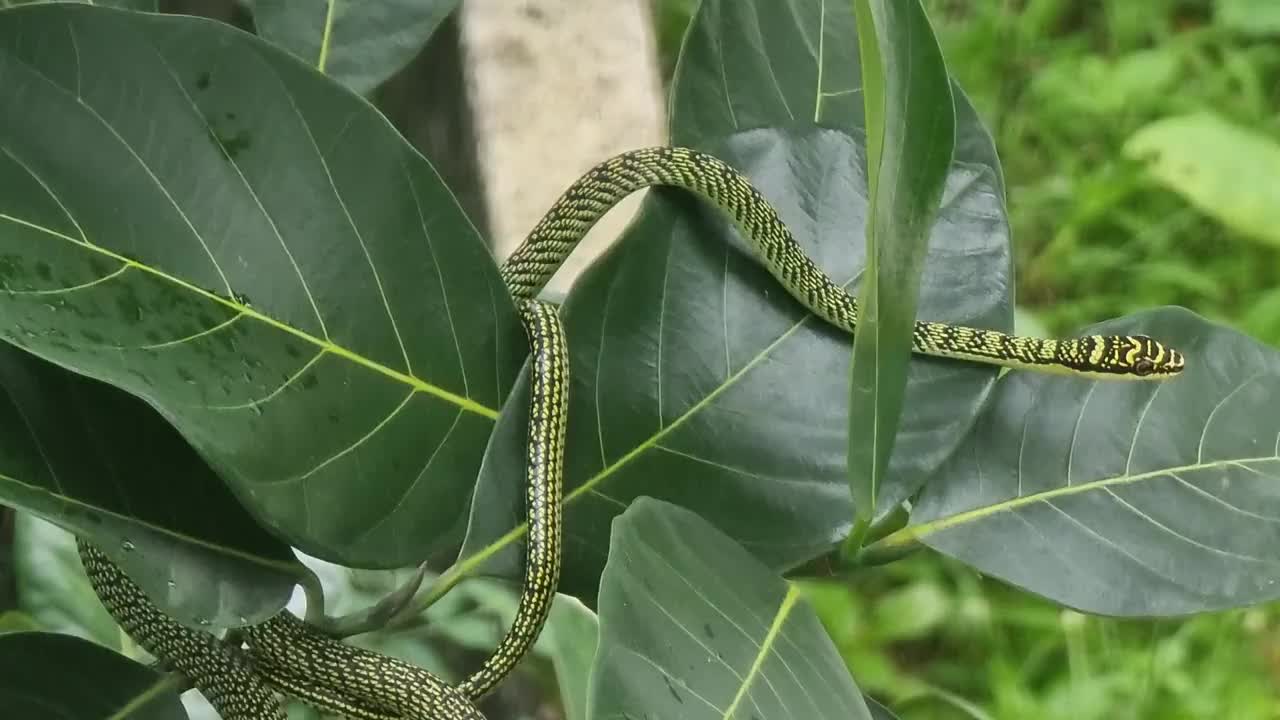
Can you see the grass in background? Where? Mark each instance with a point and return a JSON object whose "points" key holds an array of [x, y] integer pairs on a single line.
{"points": [[1063, 85]]}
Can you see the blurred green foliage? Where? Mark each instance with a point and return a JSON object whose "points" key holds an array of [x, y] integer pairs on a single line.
{"points": [[1064, 85], [932, 638], [1136, 139]]}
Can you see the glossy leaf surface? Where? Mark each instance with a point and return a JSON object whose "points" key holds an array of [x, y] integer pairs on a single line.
{"points": [[201, 219], [1124, 498], [695, 377], [692, 626]]}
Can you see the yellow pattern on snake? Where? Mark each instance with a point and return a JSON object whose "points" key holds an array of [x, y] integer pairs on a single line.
{"points": [[367, 686], [536, 260], [551, 241], [225, 677], [410, 691]]}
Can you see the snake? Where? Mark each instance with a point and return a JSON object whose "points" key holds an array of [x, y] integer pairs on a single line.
{"points": [[286, 655], [242, 684]]}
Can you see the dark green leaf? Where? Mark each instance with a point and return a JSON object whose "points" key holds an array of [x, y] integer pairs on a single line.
{"points": [[199, 218], [692, 626], [44, 676], [100, 462], [1124, 498], [359, 44], [696, 378], [910, 136]]}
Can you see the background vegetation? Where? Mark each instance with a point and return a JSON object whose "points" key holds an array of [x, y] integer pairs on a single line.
{"points": [[1079, 95]]}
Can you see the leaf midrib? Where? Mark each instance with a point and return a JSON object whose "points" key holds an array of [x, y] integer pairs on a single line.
{"points": [[221, 550], [461, 401], [914, 533]]}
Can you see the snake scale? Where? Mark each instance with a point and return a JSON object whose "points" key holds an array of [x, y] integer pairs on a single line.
{"points": [[285, 655]]}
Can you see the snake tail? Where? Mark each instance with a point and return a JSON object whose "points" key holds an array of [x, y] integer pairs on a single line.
{"points": [[224, 676], [529, 268], [544, 462]]}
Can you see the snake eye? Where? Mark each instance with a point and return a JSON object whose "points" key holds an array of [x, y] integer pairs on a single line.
{"points": [[1144, 367]]}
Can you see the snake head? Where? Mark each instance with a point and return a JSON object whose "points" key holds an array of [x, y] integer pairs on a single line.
{"points": [[1129, 356]]}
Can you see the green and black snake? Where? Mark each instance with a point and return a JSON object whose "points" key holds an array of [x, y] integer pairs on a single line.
{"points": [[284, 654]]}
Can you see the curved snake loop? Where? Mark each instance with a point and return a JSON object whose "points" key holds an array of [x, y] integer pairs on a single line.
{"points": [[297, 660]]}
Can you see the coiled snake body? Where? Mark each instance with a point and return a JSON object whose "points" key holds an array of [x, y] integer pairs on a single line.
{"points": [[341, 679]]}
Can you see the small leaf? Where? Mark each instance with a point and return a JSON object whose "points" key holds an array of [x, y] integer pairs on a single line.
{"points": [[359, 44], [44, 676], [1124, 498], [911, 133], [1225, 170], [692, 626]]}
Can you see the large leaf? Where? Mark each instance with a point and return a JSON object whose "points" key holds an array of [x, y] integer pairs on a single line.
{"points": [[696, 378], [910, 121], [201, 219], [1225, 170], [99, 462], [44, 676], [359, 44], [1124, 498], [691, 626]]}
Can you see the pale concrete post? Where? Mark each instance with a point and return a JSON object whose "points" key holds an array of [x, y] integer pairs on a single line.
{"points": [[557, 86]]}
